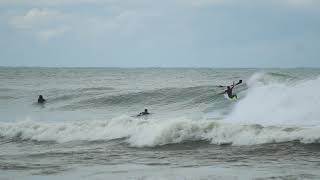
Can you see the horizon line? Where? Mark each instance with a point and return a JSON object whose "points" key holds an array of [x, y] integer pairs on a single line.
{"points": [[160, 67]]}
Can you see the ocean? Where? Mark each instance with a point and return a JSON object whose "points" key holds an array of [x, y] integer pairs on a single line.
{"points": [[88, 128]]}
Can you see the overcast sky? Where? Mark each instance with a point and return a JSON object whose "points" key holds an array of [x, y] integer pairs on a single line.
{"points": [[160, 33]]}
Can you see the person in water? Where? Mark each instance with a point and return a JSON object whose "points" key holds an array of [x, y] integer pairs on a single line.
{"points": [[230, 88], [41, 100], [144, 113], [229, 91]]}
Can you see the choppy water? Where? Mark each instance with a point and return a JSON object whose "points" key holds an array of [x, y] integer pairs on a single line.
{"points": [[88, 129]]}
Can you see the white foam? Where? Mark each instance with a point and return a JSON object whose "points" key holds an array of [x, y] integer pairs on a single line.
{"points": [[279, 104], [270, 112], [140, 133]]}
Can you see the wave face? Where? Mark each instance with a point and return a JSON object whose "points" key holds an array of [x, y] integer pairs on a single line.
{"points": [[275, 106]]}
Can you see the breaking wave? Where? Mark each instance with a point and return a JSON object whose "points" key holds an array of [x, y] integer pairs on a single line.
{"points": [[270, 110], [274, 103], [141, 133]]}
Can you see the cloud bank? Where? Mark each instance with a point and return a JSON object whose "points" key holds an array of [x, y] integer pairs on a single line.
{"points": [[195, 33]]}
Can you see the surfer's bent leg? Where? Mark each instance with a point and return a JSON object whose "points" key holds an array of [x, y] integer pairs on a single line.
{"points": [[232, 96]]}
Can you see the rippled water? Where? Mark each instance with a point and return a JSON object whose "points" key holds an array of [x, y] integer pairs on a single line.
{"points": [[88, 128]]}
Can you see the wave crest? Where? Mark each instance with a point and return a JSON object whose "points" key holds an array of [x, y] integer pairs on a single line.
{"points": [[142, 133]]}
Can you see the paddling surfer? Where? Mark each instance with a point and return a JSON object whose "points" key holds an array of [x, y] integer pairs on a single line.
{"points": [[144, 113]]}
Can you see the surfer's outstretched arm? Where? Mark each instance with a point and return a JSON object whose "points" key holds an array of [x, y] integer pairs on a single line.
{"points": [[233, 85], [240, 81]]}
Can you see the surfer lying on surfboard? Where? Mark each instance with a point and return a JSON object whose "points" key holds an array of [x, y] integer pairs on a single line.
{"points": [[145, 112], [229, 90]]}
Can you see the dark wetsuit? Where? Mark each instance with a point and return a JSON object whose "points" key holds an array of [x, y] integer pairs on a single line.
{"points": [[41, 100], [229, 93], [145, 112]]}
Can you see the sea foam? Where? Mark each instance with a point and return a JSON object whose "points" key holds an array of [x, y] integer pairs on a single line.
{"points": [[268, 112], [275, 103], [141, 133]]}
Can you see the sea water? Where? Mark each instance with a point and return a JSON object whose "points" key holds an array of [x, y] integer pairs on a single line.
{"points": [[88, 128]]}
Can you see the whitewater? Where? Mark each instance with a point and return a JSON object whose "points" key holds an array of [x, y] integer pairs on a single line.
{"points": [[88, 128]]}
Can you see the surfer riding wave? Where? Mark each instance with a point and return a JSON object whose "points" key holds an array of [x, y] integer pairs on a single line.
{"points": [[230, 89]]}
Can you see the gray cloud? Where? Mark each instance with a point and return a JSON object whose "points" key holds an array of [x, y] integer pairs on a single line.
{"points": [[209, 33]]}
